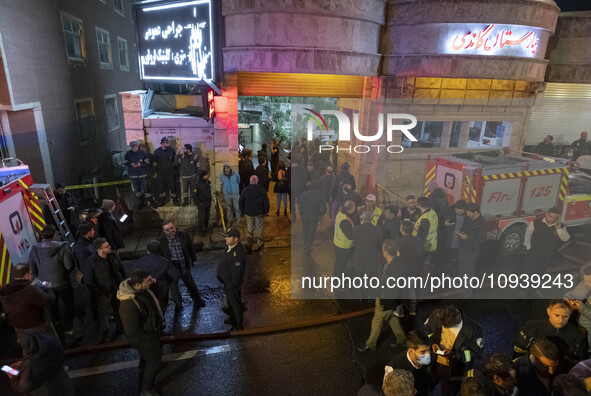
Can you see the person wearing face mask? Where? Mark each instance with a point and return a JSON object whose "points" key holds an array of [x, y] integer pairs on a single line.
{"points": [[567, 337], [535, 372], [416, 359], [498, 376], [542, 239], [457, 341]]}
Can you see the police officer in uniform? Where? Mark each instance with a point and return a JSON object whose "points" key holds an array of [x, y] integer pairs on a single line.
{"points": [[567, 337], [164, 161], [457, 341], [137, 163], [231, 273], [426, 228]]}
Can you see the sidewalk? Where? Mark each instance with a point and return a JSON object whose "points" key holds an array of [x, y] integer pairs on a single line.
{"points": [[147, 226]]}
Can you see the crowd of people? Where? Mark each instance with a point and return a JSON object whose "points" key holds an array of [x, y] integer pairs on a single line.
{"points": [[425, 234]]}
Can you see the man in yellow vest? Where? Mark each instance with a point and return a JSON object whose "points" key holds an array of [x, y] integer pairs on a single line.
{"points": [[370, 205], [343, 237], [426, 229]]}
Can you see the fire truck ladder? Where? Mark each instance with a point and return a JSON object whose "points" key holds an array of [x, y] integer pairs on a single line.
{"points": [[45, 195]]}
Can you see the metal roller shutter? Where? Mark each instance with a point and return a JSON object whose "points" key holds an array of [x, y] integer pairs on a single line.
{"points": [[565, 111]]}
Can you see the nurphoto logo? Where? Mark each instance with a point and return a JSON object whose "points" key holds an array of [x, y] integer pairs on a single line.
{"points": [[394, 122]]}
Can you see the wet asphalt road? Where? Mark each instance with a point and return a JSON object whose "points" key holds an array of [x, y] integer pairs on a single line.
{"points": [[314, 361]]}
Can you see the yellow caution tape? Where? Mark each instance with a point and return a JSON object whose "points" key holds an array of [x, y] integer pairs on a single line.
{"points": [[97, 185]]}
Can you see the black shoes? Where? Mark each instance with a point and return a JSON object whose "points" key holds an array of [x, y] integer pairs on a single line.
{"points": [[365, 349]]}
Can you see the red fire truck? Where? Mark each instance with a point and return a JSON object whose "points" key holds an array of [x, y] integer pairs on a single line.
{"points": [[512, 190], [21, 218]]}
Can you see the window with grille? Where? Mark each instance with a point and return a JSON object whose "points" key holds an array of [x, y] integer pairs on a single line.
{"points": [[103, 42], [74, 38]]}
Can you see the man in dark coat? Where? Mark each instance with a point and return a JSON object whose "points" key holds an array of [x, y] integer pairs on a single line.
{"points": [[254, 203], [162, 270], [567, 337], [178, 247], [142, 322], [367, 241], [166, 176], [231, 273], [104, 274], [385, 306], [137, 163], [202, 198], [581, 146], [543, 238], [326, 182], [472, 237], [262, 156], [344, 177], [83, 247], [245, 168], [262, 173], [296, 177], [67, 204], [24, 303], [459, 342], [189, 169], [545, 147], [274, 158], [51, 261], [536, 371], [312, 208], [108, 226], [390, 223]]}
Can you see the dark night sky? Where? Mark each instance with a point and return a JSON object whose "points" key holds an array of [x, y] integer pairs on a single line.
{"points": [[574, 5]]}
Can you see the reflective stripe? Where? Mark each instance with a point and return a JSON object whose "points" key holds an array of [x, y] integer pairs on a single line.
{"points": [[470, 373], [431, 240], [377, 213], [467, 355], [340, 239]]}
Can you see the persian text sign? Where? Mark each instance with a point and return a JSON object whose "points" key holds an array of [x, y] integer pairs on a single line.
{"points": [[176, 41], [493, 39]]}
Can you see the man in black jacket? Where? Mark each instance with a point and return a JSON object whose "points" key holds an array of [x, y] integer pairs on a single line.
{"points": [[162, 270], [231, 273], [312, 208], [202, 198], [83, 247], [189, 169], [416, 359], [498, 376], [536, 372], [104, 274], [108, 225], [51, 261], [472, 237], [67, 204], [457, 341], [254, 203], [142, 320], [567, 337], [384, 308], [24, 303], [166, 176], [178, 247]]}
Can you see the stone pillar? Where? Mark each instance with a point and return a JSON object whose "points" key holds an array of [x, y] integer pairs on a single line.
{"points": [[569, 51], [225, 138], [132, 115]]}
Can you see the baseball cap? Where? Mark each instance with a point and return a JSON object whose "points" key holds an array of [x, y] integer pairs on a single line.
{"points": [[370, 197], [232, 232], [164, 140]]}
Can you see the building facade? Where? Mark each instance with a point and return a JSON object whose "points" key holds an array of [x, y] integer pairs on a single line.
{"points": [[63, 64]]}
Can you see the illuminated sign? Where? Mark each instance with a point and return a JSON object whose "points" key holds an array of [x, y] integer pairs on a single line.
{"points": [[209, 99], [493, 39], [176, 41]]}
